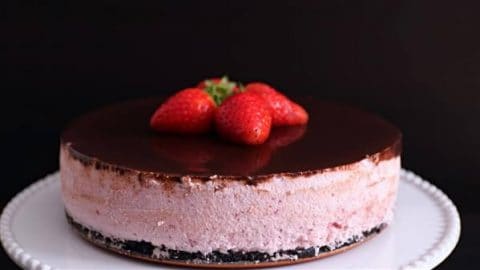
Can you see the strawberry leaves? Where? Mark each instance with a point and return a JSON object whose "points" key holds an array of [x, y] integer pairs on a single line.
{"points": [[221, 89]]}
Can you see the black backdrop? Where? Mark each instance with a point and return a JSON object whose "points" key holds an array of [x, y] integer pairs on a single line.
{"points": [[415, 62]]}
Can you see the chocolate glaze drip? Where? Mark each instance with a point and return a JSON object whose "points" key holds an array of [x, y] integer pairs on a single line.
{"points": [[118, 137]]}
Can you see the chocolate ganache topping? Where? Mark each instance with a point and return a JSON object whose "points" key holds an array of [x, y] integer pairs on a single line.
{"points": [[118, 136]]}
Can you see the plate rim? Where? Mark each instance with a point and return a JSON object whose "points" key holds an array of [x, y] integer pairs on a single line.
{"points": [[431, 258]]}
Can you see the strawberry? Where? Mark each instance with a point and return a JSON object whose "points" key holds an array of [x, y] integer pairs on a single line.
{"points": [[284, 111], [188, 111], [283, 136], [244, 118], [219, 88]]}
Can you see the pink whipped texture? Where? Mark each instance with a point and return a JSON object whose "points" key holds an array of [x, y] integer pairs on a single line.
{"points": [[281, 213]]}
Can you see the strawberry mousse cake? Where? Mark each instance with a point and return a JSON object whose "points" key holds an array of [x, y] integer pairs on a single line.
{"points": [[197, 199]]}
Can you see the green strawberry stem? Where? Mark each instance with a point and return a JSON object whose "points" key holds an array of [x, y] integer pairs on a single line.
{"points": [[219, 91]]}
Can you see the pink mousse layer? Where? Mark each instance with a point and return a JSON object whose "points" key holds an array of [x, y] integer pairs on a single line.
{"points": [[280, 213]]}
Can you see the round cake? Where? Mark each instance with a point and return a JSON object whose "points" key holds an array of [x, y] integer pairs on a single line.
{"points": [[308, 192]]}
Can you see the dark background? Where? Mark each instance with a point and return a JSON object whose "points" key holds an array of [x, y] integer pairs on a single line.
{"points": [[415, 62]]}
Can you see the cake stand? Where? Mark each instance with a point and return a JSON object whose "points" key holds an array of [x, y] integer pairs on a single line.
{"points": [[35, 234]]}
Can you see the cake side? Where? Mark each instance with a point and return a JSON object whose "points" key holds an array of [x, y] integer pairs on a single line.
{"points": [[282, 213], [230, 259]]}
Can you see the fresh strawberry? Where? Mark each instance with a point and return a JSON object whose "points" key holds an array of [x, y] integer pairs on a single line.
{"points": [[244, 118], [188, 111], [283, 136], [284, 111], [219, 88]]}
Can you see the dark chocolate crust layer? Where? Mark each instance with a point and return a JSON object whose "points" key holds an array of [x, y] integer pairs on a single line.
{"points": [[118, 138], [146, 250]]}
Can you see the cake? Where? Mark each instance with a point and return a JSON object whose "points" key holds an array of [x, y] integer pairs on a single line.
{"points": [[196, 200]]}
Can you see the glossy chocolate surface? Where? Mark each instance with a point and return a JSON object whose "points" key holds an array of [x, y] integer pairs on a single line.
{"points": [[119, 136]]}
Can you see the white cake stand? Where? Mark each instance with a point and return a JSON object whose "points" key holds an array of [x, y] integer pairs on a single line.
{"points": [[35, 234]]}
